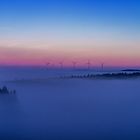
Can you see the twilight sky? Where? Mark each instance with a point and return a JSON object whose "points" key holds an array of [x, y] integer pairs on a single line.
{"points": [[33, 32]]}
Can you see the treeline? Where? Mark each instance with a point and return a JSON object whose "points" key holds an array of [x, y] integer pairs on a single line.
{"points": [[107, 76], [5, 90]]}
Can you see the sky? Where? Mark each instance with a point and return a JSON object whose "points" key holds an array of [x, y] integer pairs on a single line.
{"points": [[35, 32]]}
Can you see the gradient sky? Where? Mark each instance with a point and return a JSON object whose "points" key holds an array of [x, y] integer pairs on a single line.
{"points": [[33, 32]]}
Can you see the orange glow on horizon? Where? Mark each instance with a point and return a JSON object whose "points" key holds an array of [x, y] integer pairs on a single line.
{"points": [[112, 53]]}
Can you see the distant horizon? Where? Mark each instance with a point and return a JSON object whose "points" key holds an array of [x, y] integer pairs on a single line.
{"points": [[71, 67]]}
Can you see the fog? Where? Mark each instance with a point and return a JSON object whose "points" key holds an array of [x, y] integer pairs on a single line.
{"points": [[55, 108]]}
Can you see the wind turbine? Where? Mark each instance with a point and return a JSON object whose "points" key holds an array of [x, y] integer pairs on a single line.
{"points": [[61, 64], [74, 64], [88, 64], [102, 66], [47, 64]]}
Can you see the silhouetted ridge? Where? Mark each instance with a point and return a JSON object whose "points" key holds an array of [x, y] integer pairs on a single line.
{"points": [[131, 70], [108, 76]]}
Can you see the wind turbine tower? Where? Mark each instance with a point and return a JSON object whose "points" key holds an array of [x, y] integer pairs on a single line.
{"points": [[88, 64], [61, 65], [102, 66], [47, 64], [74, 64]]}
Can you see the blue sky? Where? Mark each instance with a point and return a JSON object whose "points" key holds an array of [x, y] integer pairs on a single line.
{"points": [[120, 14], [120, 11], [70, 25]]}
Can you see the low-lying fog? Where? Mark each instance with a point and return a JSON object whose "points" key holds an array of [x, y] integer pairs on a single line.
{"points": [[68, 108]]}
